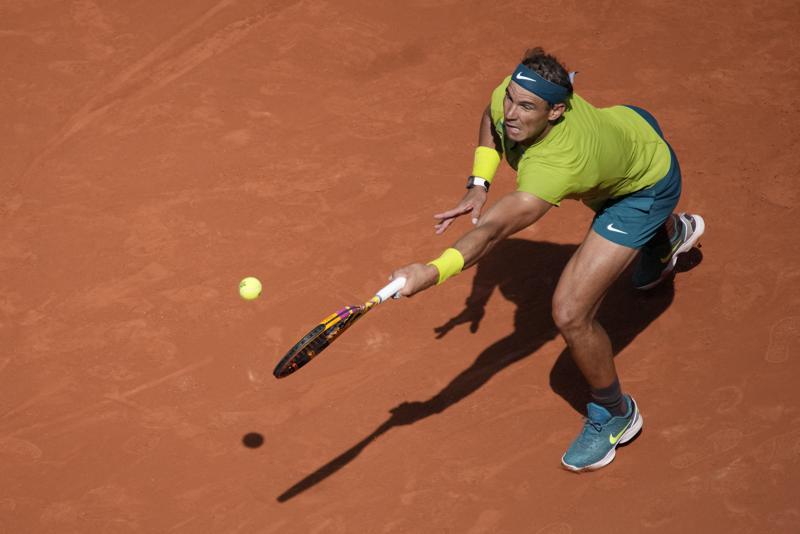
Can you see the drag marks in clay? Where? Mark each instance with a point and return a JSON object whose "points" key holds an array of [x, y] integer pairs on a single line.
{"points": [[784, 338], [19, 448], [715, 444]]}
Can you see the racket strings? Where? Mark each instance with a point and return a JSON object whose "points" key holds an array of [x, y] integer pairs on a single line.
{"points": [[320, 337], [339, 327], [324, 338]]}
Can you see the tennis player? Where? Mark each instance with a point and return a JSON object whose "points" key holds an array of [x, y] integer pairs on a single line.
{"points": [[617, 162]]}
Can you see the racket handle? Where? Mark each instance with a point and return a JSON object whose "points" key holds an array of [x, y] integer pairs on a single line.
{"points": [[393, 287]]}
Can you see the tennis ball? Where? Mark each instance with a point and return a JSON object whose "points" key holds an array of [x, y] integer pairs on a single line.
{"points": [[250, 288]]}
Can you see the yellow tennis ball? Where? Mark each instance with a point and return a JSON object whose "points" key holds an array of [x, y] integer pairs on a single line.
{"points": [[250, 288]]}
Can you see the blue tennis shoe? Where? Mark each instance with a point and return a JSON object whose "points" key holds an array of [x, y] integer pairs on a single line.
{"points": [[595, 446]]}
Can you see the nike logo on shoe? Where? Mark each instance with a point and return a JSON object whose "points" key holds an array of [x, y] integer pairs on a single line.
{"points": [[521, 77], [611, 228], [666, 258], [612, 439], [687, 228]]}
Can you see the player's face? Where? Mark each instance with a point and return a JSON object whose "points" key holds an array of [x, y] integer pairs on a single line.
{"points": [[527, 117]]}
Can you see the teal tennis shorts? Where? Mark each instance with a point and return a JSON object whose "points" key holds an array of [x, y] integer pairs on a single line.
{"points": [[633, 220]]}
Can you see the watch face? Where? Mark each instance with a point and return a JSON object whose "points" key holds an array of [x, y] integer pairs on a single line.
{"points": [[471, 183]]}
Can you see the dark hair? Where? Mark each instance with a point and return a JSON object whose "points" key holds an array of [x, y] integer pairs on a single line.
{"points": [[548, 67]]}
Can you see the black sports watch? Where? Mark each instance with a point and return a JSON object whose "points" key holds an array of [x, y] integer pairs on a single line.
{"points": [[472, 181]]}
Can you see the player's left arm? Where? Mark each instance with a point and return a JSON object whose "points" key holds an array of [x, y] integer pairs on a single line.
{"points": [[508, 216]]}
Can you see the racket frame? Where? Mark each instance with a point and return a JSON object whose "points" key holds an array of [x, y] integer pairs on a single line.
{"points": [[329, 329]]}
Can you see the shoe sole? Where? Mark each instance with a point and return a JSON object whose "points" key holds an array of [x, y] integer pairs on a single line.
{"points": [[700, 227], [629, 434]]}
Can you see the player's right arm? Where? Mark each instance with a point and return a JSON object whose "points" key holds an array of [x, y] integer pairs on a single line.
{"points": [[475, 197], [508, 216]]}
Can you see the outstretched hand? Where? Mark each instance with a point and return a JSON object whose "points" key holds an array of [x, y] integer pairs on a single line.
{"points": [[472, 203], [418, 277]]}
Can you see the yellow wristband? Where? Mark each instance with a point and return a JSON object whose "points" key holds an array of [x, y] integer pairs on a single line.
{"points": [[449, 264], [486, 162]]}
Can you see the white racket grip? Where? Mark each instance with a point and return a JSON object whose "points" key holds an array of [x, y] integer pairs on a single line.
{"points": [[393, 287]]}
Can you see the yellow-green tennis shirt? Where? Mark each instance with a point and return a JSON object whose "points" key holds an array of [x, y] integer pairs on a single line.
{"points": [[591, 155]]}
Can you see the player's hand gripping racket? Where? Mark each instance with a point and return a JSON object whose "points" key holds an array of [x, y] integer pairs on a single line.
{"points": [[329, 329]]}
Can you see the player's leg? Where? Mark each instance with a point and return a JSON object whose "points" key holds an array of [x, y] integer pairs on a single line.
{"points": [[621, 227], [613, 418], [677, 235], [581, 288]]}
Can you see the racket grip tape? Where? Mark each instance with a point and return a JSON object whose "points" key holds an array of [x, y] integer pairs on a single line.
{"points": [[389, 290]]}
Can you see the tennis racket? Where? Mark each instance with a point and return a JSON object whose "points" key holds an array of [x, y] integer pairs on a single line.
{"points": [[329, 329]]}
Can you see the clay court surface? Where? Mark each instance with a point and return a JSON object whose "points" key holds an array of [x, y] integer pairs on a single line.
{"points": [[155, 153]]}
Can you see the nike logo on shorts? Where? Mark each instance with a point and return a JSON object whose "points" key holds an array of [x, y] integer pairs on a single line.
{"points": [[521, 77], [611, 228]]}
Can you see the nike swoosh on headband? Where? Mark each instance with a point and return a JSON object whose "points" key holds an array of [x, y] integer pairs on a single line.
{"points": [[521, 77]]}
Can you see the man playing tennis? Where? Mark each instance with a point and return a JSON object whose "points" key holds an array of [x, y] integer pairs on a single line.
{"points": [[617, 162]]}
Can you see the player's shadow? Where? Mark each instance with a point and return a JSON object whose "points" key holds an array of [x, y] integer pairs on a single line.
{"points": [[526, 273]]}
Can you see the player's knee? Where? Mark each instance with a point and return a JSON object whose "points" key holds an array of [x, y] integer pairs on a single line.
{"points": [[568, 315]]}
